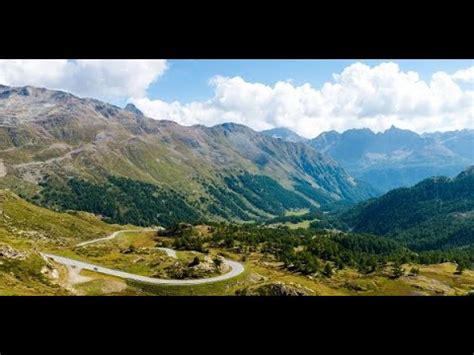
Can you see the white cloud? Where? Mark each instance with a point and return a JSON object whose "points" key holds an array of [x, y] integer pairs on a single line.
{"points": [[105, 79], [465, 75], [360, 96]]}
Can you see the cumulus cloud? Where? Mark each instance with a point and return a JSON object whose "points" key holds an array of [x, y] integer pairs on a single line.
{"points": [[360, 96], [105, 79], [465, 75]]}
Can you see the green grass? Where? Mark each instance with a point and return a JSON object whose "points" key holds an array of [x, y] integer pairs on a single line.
{"points": [[298, 212], [24, 277], [101, 284], [22, 222], [188, 256]]}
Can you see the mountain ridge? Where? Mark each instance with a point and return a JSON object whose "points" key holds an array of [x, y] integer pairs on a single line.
{"points": [[50, 138], [397, 157], [284, 133]]}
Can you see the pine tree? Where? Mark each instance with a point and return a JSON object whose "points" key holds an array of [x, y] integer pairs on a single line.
{"points": [[328, 270], [397, 270], [414, 271], [195, 262]]}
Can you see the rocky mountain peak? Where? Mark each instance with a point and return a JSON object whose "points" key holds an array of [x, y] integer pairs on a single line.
{"points": [[283, 133], [133, 109], [232, 127], [468, 172]]}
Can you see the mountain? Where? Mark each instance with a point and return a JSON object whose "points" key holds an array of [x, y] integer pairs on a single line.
{"points": [[460, 142], [67, 152], [436, 213], [285, 134], [398, 157]]}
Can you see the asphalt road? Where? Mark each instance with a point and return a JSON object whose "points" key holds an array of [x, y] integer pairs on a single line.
{"points": [[236, 267]]}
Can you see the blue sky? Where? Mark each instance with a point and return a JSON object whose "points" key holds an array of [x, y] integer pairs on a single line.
{"points": [[187, 80]]}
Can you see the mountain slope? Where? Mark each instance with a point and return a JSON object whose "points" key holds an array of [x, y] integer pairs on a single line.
{"points": [[284, 133], [397, 157], [27, 229], [435, 213], [55, 146]]}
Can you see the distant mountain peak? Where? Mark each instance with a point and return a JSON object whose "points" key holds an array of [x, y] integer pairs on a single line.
{"points": [[133, 109], [33, 92], [468, 172], [283, 133], [393, 128], [233, 127], [398, 157], [331, 132], [359, 132]]}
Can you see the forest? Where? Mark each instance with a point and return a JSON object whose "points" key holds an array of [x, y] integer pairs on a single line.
{"points": [[120, 200], [437, 213], [310, 251]]}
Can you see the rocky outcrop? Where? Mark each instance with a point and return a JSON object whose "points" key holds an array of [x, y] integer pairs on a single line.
{"points": [[174, 231], [276, 289], [133, 109], [8, 252]]}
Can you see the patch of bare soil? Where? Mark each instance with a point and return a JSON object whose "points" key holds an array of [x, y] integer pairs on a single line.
{"points": [[3, 169]]}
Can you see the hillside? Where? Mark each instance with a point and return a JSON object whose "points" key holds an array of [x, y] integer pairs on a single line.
{"points": [[397, 157], [437, 213], [26, 225], [56, 148], [25, 230]]}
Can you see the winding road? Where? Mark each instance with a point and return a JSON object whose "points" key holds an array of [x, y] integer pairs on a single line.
{"points": [[236, 267], [112, 236]]}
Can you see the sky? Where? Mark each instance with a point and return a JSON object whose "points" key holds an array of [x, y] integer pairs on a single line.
{"points": [[307, 96]]}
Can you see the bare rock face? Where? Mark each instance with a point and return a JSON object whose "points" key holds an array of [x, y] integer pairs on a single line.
{"points": [[8, 252], [133, 109], [276, 289], [50, 272], [204, 266]]}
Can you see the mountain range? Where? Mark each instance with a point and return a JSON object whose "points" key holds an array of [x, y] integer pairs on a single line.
{"points": [[67, 152], [398, 157], [394, 158]]}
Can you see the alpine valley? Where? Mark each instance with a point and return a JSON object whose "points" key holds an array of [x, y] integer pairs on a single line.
{"points": [[66, 152], [101, 200]]}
